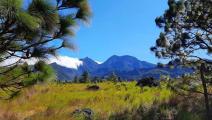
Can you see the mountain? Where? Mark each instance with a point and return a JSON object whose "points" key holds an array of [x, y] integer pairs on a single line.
{"points": [[121, 64], [126, 67], [155, 72], [124, 63], [64, 73], [88, 65]]}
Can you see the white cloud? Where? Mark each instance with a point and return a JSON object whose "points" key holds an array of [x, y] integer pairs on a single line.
{"points": [[14, 60], [66, 61]]}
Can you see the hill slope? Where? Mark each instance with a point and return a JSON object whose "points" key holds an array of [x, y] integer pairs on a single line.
{"points": [[126, 67]]}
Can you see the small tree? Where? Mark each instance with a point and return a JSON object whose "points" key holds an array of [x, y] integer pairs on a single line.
{"points": [[76, 79], [187, 30], [96, 79], [113, 77], [85, 77], [119, 79]]}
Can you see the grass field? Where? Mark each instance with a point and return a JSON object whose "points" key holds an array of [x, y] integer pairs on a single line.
{"points": [[56, 101]]}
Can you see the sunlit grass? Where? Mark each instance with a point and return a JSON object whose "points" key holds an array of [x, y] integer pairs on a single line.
{"points": [[63, 99]]}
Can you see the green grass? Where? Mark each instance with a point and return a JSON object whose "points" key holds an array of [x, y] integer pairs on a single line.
{"points": [[55, 101]]}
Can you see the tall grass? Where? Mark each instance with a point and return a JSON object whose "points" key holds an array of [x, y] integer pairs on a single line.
{"points": [[56, 101]]}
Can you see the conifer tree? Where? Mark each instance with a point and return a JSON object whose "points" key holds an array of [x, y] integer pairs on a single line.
{"points": [[30, 32], [187, 30], [113, 77], [76, 79], [85, 77]]}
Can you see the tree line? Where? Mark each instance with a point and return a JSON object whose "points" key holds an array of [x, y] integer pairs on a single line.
{"points": [[86, 78]]}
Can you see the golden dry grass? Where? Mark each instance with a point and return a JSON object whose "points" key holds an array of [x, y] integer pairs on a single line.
{"points": [[56, 101]]}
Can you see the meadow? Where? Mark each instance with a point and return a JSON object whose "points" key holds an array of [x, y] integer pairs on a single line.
{"points": [[59, 101]]}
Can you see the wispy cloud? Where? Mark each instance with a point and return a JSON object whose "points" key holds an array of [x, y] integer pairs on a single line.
{"points": [[14, 60], [66, 61]]}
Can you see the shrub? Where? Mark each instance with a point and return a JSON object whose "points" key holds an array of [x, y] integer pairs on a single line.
{"points": [[147, 82], [93, 87]]}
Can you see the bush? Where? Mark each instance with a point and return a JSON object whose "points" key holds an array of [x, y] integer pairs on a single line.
{"points": [[84, 114], [147, 82], [93, 87]]}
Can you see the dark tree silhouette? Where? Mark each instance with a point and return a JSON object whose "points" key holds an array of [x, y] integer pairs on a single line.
{"points": [[187, 26], [149, 81], [76, 79], [85, 77]]}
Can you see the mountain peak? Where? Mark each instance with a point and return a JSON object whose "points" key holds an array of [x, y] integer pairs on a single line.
{"points": [[126, 66], [86, 59], [122, 58], [125, 63], [114, 56]]}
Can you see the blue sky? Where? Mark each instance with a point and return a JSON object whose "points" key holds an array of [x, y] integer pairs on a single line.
{"points": [[119, 27]]}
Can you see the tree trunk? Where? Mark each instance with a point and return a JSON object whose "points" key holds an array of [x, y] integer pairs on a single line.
{"points": [[204, 85]]}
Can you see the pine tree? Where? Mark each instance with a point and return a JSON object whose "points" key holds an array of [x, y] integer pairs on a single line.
{"points": [[76, 79], [113, 77], [85, 77], [187, 30], [26, 33]]}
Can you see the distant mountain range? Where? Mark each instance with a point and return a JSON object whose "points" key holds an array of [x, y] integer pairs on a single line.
{"points": [[126, 67]]}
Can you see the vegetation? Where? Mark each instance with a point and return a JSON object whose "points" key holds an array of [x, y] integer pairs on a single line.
{"points": [[85, 78], [148, 82], [13, 81], [29, 92], [56, 101], [187, 30], [27, 32], [120, 101], [113, 77]]}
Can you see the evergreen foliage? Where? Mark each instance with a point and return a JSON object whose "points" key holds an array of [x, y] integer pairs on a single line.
{"points": [[113, 78], [23, 76], [76, 79], [85, 78], [187, 30], [30, 31]]}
